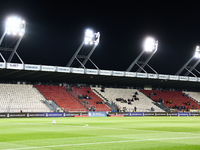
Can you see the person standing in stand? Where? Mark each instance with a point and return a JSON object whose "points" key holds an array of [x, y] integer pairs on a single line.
{"points": [[135, 108]]}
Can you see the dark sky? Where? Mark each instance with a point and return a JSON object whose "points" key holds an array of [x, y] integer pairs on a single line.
{"points": [[55, 29]]}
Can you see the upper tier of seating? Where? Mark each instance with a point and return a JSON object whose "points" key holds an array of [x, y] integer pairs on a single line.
{"points": [[94, 98], [16, 97], [177, 98], [61, 97], [144, 104]]}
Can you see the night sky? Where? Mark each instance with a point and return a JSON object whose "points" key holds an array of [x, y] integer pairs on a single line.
{"points": [[55, 29]]}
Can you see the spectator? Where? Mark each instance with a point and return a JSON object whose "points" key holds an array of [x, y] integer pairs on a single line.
{"points": [[117, 108], [124, 109], [135, 108], [102, 89], [90, 108], [152, 109]]}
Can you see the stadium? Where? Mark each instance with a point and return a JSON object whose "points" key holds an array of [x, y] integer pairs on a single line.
{"points": [[79, 106]]}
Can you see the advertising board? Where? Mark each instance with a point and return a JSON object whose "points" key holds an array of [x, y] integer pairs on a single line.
{"points": [[48, 68], [105, 72], [183, 78], [97, 114], [63, 69], [92, 71], [130, 74], [2, 65], [78, 70], [118, 73], [14, 66], [142, 75], [162, 76], [173, 77], [32, 67]]}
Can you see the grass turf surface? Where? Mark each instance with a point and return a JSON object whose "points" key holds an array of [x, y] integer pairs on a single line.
{"points": [[105, 133]]}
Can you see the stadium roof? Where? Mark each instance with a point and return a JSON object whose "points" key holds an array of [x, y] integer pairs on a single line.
{"points": [[58, 77]]}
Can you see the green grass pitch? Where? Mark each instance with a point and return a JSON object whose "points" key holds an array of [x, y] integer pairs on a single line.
{"points": [[100, 133]]}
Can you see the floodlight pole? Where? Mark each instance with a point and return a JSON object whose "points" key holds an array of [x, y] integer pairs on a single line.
{"points": [[2, 37], [135, 61], [184, 66], [88, 56], [153, 47], [1, 40], [90, 40], [75, 54], [192, 68], [14, 51], [190, 72], [197, 71], [145, 63]]}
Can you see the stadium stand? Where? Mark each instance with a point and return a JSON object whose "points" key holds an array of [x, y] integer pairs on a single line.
{"points": [[172, 99], [194, 95], [19, 97], [29, 98], [94, 100], [144, 104], [61, 97]]}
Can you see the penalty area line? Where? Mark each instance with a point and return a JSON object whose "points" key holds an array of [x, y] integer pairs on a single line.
{"points": [[109, 142]]}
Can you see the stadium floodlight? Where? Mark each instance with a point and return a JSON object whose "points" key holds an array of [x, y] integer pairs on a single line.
{"points": [[197, 52], [189, 66], [150, 44], [91, 39], [15, 26]]}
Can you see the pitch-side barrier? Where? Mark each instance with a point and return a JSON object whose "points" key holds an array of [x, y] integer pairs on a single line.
{"points": [[95, 114]]}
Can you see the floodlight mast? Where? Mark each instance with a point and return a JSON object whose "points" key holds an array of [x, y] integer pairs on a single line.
{"points": [[91, 39], [16, 27], [1, 40], [151, 46], [186, 65]]}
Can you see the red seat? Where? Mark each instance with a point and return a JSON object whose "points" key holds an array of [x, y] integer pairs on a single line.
{"points": [[61, 97]]}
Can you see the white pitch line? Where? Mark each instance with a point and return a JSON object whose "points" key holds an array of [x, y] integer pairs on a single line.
{"points": [[39, 147], [145, 130]]}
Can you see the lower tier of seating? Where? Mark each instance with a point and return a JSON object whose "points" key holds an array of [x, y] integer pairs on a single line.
{"points": [[19, 97], [172, 99], [96, 103], [129, 100], [61, 97]]}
